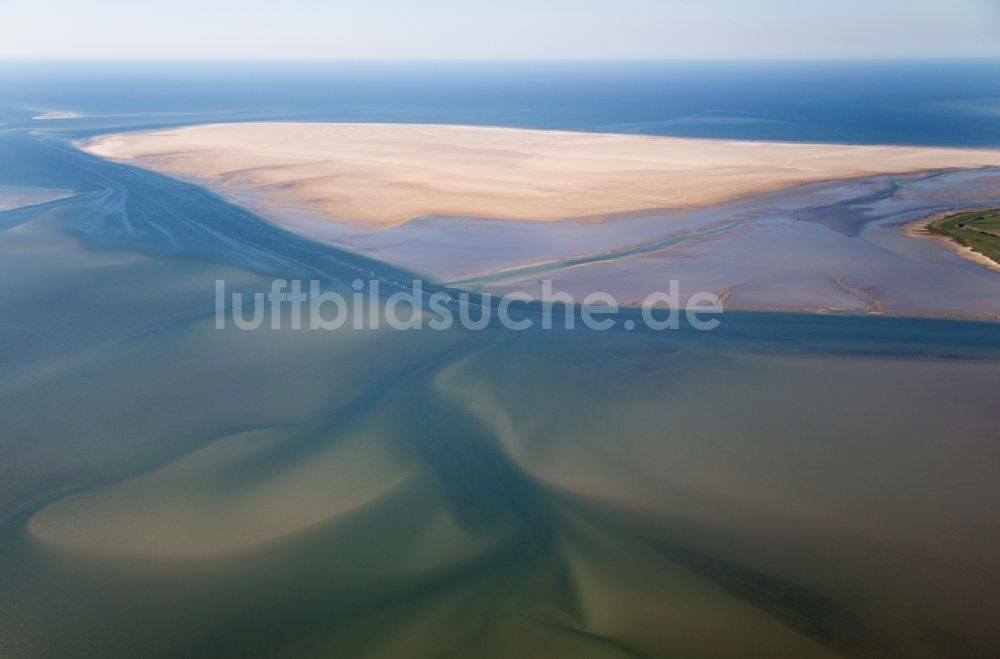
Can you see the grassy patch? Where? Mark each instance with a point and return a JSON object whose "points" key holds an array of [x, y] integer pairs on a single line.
{"points": [[979, 230]]}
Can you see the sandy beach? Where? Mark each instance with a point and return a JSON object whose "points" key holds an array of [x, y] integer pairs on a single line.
{"points": [[382, 175]]}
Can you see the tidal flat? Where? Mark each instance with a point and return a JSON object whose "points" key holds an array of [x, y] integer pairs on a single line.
{"points": [[764, 225]]}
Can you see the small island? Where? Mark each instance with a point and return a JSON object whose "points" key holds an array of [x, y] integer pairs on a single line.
{"points": [[978, 230]]}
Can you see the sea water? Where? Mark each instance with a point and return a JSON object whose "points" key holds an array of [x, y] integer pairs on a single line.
{"points": [[785, 485]]}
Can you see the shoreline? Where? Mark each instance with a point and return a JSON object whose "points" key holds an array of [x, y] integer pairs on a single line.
{"points": [[921, 229]]}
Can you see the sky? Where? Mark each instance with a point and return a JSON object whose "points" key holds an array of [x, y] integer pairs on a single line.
{"points": [[497, 29]]}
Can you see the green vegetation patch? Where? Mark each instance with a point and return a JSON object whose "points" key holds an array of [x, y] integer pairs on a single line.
{"points": [[978, 230]]}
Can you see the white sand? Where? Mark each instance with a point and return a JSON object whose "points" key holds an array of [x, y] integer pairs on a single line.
{"points": [[386, 174]]}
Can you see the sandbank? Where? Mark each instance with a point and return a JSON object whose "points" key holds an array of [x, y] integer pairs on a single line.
{"points": [[381, 175]]}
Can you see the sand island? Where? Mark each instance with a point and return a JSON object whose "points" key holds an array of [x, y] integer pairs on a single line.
{"points": [[766, 225], [979, 231], [383, 175]]}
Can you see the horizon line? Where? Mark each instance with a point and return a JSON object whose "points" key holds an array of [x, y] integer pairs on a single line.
{"points": [[838, 58]]}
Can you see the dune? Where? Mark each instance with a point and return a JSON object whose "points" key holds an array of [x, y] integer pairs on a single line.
{"points": [[381, 175]]}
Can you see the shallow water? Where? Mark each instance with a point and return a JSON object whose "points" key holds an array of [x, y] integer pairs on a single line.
{"points": [[787, 485]]}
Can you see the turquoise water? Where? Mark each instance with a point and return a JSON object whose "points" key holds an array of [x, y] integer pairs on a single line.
{"points": [[787, 485]]}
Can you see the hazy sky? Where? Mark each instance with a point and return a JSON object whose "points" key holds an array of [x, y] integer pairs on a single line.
{"points": [[501, 29]]}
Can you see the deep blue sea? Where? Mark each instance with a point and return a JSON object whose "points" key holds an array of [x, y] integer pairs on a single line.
{"points": [[927, 102]]}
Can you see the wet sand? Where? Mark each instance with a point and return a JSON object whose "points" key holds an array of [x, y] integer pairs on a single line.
{"points": [[14, 197]]}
